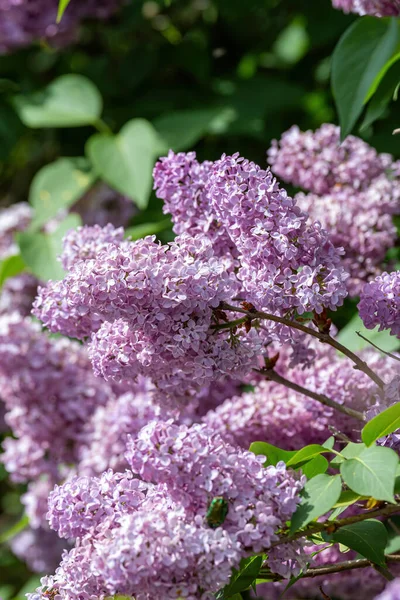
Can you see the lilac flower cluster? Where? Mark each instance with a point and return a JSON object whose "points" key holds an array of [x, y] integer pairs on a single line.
{"points": [[380, 303], [377, 8], [153, 540], [50, 392], [354, 193], [24, 22], [18, 294], [290, 420], [283, 262], [13, 219], [391, 592], [150, 309]]}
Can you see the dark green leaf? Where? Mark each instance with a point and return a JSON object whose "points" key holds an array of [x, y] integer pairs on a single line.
{"points": [[11, 266], [14, 530], [319, 495], [392, 525], [243, 578], [58, 186], [125, 161], [362, 51], [383, 424], [368, 537], [382, 97], [316, 466], [372, 473], [306, 454], [139, 231], [182, 130], [69, 101]]}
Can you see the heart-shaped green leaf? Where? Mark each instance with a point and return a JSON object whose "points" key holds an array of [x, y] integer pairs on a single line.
{"points": [[372, 473], [368, 537], [319, 495], [125, 161], [69, 101]]}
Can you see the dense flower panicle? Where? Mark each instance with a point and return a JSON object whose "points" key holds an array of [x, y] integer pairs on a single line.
{"points": [[24, 22], [150, 308], [380, 303], [50, 392], [354, 193], [377, 8], [182, 183], [18, 294], [196, 465], [85, 243], [84, 504], [318, 162], [285, 263], [12, 219], [391, 592], [102, 205], [361, 223], [290, 420]]}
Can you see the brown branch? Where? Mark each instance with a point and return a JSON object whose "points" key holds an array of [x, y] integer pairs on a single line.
{"points": [[387, 510], [346, 565], [274, 376], [377, 347], [325, 338]]}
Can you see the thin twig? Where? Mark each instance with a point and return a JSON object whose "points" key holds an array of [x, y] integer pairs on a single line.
{"points": [[389, 509], [323, 337], [348, 565], [377, 347], [274, 376]]}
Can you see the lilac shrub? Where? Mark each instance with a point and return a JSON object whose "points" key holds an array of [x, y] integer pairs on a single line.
{"points": [[353, 193]]}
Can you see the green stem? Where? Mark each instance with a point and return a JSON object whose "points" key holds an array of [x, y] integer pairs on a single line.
{"points": [[101, 126]]}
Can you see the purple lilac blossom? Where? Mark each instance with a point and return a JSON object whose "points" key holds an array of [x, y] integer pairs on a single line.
{"points": [[150, 308], [41, 549], [196, 465], [377, 8], [24, 22], [85, 243], [50, 392], [380, 303], [391, 592], [285, 418], [354, 193]]}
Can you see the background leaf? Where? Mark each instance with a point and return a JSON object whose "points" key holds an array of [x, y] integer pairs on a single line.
{"points": [[348, 337], [68, 101], [58, 186], [11, 266], [273, 453], [125, 161], [62, 5], [362, 52], [40, 251]]}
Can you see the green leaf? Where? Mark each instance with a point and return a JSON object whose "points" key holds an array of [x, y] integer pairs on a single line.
{"points": [[347, 498], [243, 578], [58, 186], [183, 129], [362, 51], [139, 231], [330, 442], [14, 530], [350, 451], [306, 454], [319, 495], [383, 96], [349, 338], [272, 453], [368, 537], [372, 473], [316, 466], [125, 161], [62, 5], [383, 424], [392, 525], [11, 266], [69, 101], [40, 251]]}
